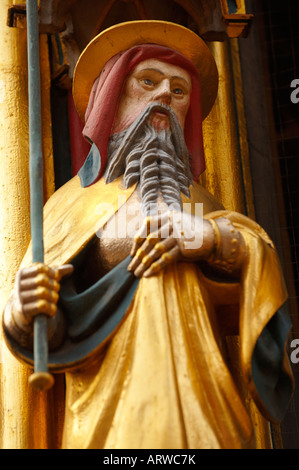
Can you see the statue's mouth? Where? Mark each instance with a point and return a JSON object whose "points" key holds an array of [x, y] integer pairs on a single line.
{"points": [[160, 116], [162, 113], [161, 109]]}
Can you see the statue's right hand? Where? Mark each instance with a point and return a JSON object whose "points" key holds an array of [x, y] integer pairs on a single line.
{"points": [[36, 292]]}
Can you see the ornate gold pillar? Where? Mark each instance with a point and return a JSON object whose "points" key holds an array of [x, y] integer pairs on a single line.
{"points": [[24, 413], [228, 177], [223, 175]]}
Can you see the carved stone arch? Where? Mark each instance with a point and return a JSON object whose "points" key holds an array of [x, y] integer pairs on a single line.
{"points": [[110, 12], [209, 18], [78, 21]]}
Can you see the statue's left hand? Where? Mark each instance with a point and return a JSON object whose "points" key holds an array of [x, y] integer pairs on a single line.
{"points": [[167, 238]]}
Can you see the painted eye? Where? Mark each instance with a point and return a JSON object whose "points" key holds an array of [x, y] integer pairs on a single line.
{"points": [[148, 82], [177, 91]]}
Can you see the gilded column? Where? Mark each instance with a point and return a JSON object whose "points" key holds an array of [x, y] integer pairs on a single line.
{"points": [[222, 175], [23, 415], [228, 177]]}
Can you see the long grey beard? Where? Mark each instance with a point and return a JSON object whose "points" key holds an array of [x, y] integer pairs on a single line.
{"points": [[157, 160]]}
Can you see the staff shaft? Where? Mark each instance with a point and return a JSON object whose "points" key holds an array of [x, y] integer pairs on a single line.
{"points": [[41, 379]]}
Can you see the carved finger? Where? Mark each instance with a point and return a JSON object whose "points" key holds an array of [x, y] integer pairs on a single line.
{"points": [[140, 237], [143, 250], [41, 293], [64, 271], [147, 254], [39, 280], [36, 308], [165, 259], [38, 268], [159, 252], [166, 229], [151, 241], [149, 228], [143, 265], [165, 245], [138, 255]]}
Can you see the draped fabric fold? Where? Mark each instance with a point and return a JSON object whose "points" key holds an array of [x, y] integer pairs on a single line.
{"points": [[264, 323], [89, 310]]}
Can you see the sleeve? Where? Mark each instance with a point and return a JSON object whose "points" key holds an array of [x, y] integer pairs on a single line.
{"points": [[264, 323]]}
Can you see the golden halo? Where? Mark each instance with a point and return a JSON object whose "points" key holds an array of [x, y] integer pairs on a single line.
{"points": [[123, 36]]}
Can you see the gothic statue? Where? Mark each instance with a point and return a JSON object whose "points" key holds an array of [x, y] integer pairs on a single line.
{"points": [[146, 274]]}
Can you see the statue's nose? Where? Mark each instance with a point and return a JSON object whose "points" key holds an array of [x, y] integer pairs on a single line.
{"points": [[163, 92]]}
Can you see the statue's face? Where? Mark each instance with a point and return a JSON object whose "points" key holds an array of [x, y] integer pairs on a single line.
{"points": [[153, 80]]}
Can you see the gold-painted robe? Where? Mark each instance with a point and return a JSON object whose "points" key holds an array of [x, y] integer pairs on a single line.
{"points": [[166, 377]]}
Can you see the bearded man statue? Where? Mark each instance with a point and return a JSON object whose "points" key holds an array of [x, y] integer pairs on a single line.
{"points": [[146, 274]]}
